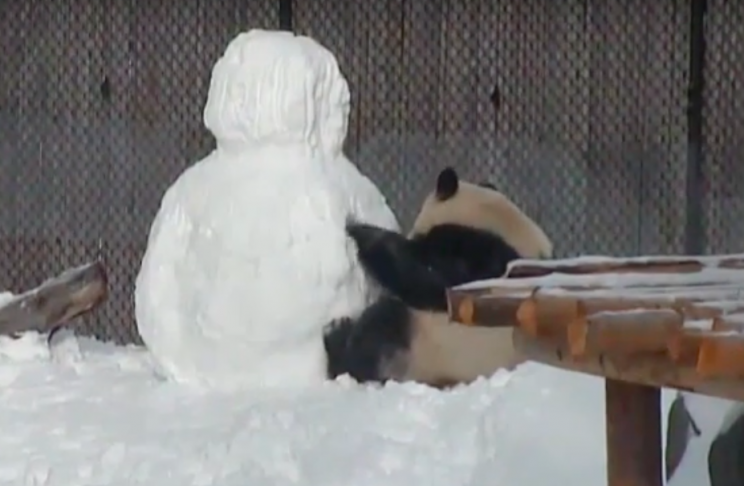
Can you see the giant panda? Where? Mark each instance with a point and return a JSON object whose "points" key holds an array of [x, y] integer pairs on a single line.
{"points": [[463, 233]]}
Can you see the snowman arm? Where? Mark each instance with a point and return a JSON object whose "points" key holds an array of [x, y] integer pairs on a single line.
{"points": [[377, 210], [166, 245]]}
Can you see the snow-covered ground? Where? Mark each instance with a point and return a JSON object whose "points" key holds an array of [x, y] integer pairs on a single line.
{"points": [[94, 414]]}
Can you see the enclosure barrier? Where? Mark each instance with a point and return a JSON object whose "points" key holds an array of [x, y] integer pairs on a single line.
{"points": [[640, 323]]}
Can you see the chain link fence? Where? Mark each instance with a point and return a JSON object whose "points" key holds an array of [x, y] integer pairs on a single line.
{"points": [[576, 109]]}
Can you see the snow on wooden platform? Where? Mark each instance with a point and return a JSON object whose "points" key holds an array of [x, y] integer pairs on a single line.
{"points": [[664, 321], [641, 323]]}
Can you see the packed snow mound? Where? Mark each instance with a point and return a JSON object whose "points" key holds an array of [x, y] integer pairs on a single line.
{"points": [[104, 419], [6, 297], [277, 87], [107, 420], [247, 257]]}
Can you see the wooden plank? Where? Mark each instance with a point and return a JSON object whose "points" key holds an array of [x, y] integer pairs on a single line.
{"points": [[652, 369]]}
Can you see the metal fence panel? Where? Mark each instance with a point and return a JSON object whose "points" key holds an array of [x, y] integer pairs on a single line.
{"points": [[100, 109], [724, 126], [591, 129]]}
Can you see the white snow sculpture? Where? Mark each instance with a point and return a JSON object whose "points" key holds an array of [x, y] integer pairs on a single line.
{"points": [[247, 258]]}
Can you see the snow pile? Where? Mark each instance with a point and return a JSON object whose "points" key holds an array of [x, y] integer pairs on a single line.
{"points": [[106, 420], [5, 298], [247, 258]]}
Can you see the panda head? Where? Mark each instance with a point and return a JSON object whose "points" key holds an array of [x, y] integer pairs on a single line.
{"points": [[463, 233], [455, 203]]}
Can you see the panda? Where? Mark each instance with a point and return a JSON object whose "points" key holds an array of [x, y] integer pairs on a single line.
{"points": [[463, 233]]}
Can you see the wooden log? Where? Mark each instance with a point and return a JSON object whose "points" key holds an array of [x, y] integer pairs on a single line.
{"points": [[726, 310], [498, 310], [653, 369], [522, 269], [546, 315], [485, 289], [684, 347], [722, 355], [624, 332], [710, 288], [633, 422], [56, 301], [726, 298], [549, 312], [528, 268], [729, 322]]}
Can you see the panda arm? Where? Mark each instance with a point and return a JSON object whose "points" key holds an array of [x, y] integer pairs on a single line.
{"points": [[460, 254], [396, 264]]}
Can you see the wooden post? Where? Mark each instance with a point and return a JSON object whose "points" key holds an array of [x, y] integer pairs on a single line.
{"points": [[633, 434]]}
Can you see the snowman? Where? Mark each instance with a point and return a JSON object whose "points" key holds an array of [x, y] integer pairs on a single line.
{"points": [[247, 258]]}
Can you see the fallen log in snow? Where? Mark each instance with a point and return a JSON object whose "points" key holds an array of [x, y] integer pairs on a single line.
{"points": [[56, 301]]}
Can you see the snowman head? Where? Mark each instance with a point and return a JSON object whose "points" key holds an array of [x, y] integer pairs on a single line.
{"points": [[277, 88]]}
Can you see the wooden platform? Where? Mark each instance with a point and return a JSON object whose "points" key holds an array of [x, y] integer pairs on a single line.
{"points": [[641, 323]]}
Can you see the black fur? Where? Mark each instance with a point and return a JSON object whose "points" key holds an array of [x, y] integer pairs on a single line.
{"points": [[447, 184], [461, 254], [362, 347], [399, 266], [418, 271], [414, 274]]}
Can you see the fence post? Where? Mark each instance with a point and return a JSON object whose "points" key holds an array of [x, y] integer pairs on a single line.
{"points": [[285, 15], [695, 228]]}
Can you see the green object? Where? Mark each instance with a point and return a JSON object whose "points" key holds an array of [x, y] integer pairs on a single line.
{"points": [[680, 428], [726, 456]]}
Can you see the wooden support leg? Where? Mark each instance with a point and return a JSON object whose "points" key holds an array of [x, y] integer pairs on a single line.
{"points": [[633, 434]]}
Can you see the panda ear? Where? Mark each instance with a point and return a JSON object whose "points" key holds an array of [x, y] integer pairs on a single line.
{"points": [[447, 184]]}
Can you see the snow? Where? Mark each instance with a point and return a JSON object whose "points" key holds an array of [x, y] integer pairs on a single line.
{"points": [[104, 419], [5, 298], [586, 259], [722, 277], [701, 324], [247, 257]]}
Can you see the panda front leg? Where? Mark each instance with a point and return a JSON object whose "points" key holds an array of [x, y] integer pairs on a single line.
{"points": [[374, 347], [398, 266]]}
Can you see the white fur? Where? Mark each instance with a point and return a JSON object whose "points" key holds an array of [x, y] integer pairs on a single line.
{"points": [[443, 351], [446, 351], [483, 208]]}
